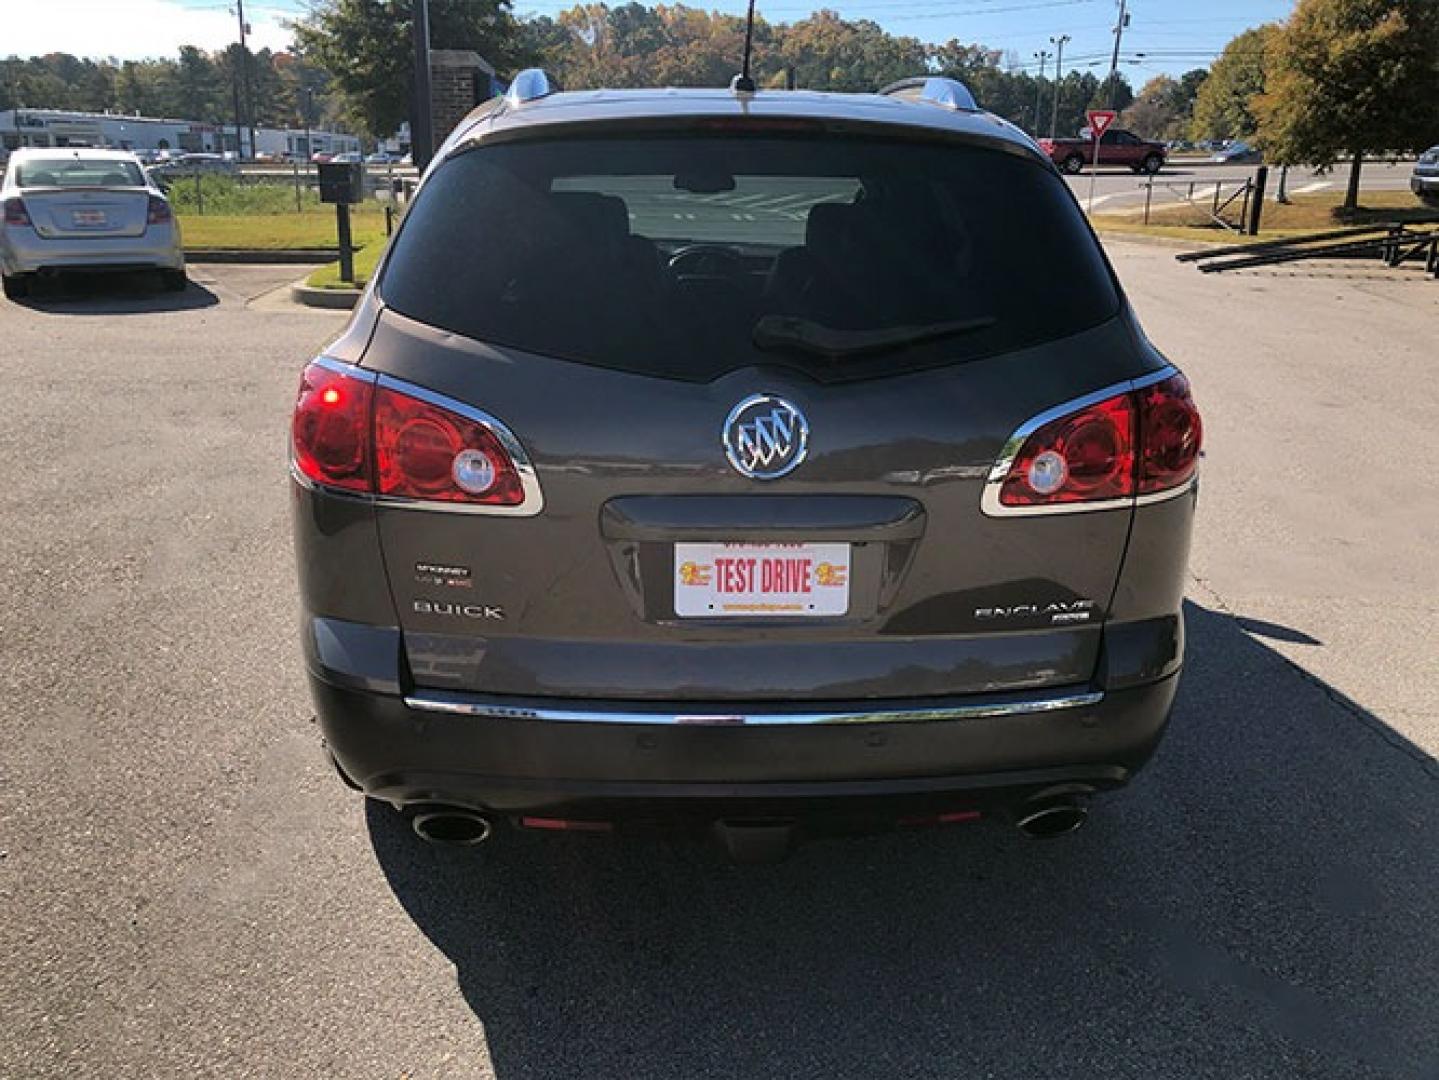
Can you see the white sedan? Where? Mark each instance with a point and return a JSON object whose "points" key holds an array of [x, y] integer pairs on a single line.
{"points": [[82, 209]]}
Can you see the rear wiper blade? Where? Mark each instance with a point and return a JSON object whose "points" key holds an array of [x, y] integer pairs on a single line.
{"points": [[790, 332]]}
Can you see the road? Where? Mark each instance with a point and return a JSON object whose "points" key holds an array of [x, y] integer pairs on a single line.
{"points": [[185, 890], [1119, 189]]}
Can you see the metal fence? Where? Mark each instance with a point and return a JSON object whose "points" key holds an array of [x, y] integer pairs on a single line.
{"points": [[280, 189], [1216, 199]]}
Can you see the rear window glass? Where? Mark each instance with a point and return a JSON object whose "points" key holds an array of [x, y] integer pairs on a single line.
{"points": [[687, 257], [77, 172]]}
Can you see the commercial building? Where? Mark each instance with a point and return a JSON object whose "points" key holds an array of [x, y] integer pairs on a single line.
{"points": [[55, 127]]}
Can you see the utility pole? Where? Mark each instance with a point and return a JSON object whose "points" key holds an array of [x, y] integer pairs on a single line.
{"points": [[239, 134], [1058, 44], [422, 136], [1039, 89], [1119, 26], [243, 74]]}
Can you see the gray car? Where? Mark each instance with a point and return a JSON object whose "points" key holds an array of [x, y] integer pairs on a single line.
{"points": [[84, 210], [1425, 180], [762, 464]]}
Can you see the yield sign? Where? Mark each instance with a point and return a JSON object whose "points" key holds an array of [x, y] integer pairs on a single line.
{"points": [[1099, 121]]}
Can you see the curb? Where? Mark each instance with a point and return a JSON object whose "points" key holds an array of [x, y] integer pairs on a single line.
{"points": [[305, 255], [337, 299]]}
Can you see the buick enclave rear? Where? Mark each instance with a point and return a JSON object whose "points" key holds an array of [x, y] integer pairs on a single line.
{"points": [[763, 463]]}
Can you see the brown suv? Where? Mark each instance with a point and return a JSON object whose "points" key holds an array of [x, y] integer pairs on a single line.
{"points": [[725, 460]]}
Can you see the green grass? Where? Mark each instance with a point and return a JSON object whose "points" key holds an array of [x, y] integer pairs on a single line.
{"points": [[259, 214], [328, 277], [278, 232]]}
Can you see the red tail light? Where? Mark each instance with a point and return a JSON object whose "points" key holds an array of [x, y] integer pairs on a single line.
{"points": [[1083, 457], [159, 211], [352, 432], [330, 432], [15, 212], [1137, 442], [424, 451], [1170, 435]]}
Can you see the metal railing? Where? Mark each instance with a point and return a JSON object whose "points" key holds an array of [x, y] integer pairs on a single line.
{"points": [[1214, 197]]}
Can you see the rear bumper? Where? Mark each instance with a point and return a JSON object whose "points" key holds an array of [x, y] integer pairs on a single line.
{"points": [[498, 757], [22, 251]]}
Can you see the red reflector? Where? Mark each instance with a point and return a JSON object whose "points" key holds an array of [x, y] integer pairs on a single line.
{"points": [[425, 452], [1170, 435], [959, 816], [953, 817], [159, 211], [15, 213], [565, 825], [1086, 456], [330, 431]]}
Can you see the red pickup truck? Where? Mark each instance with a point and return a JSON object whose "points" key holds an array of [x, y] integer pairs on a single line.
{"points": [[1116, 147]]}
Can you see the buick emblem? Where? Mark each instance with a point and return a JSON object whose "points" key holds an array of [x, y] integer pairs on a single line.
{"points": [[765, 437]]}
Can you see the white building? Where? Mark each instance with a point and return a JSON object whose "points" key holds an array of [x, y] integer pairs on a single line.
{"points": [[55, 127]]}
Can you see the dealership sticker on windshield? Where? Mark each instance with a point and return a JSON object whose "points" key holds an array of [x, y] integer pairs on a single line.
{"points": [[718, 580]]}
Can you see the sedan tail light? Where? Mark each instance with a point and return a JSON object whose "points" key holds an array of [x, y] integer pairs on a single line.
{"points": [[1101, 451], [159, 212], [358, 432], [15, 213]]}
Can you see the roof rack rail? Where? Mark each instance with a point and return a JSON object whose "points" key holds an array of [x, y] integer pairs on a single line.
{"points": [[933, 90], [530, 85]]}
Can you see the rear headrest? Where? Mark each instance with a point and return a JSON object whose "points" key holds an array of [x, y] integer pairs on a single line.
{"points": [[827, 222], [597, 215], [39, 179], [827, 229], [115, 179]]}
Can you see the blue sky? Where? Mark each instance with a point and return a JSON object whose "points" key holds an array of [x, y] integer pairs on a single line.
{"points": [[1172, 35]]}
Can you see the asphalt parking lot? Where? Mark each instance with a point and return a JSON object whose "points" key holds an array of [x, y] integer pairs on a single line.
{"points": [[186, 890]]}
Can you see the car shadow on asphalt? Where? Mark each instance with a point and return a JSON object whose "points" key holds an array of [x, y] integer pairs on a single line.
{"points": [[1263, 901], [114, 294]]}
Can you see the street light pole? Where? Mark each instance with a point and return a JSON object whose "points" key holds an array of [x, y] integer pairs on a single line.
{"points": [[1039, 89], [1058, 44]]}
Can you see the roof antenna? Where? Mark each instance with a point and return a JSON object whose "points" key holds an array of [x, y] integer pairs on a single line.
{"points": [[742, 83]]}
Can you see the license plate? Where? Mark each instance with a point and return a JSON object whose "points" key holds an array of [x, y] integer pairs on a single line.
{"points": [[87, 217], [758, 580]]}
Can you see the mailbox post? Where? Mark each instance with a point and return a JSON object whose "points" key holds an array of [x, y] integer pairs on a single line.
{"points": [[342, 183]]}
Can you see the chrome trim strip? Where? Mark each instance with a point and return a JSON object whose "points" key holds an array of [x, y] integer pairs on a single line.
{"points": [[442, 701], [534, 500], [989, 502]]}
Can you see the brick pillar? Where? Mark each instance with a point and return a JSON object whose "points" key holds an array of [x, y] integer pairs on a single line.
{"points": [[459, 80]]}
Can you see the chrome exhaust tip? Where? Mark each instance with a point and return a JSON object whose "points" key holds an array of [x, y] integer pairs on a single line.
{"points": [[1047, 820], [452, 826]]}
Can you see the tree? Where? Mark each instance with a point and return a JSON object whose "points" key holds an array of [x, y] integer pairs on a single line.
{"points": [[1155, 109], [1223, 108], [364, 46], [196, 85], [1352, 75], [1114, 94], [831, 53]]}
